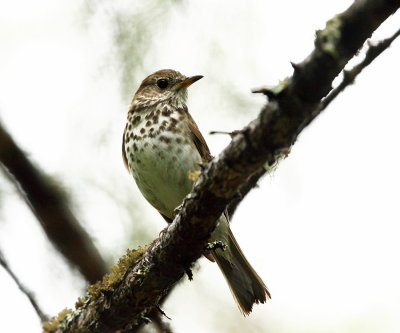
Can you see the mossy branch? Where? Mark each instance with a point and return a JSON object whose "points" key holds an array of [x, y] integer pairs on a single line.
{"points": [[275, 130]]}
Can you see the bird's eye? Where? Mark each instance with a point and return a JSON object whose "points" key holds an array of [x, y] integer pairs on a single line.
{"points": [[162, 83]]}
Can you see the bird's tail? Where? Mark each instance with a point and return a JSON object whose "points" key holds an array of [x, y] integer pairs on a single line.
{"points": [[246, 286]]}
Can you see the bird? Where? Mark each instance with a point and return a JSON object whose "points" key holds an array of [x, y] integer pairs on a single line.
{"points": [[161, 147]]}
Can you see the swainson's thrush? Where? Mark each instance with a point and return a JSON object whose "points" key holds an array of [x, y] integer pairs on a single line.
{"points": [[161, 146]]}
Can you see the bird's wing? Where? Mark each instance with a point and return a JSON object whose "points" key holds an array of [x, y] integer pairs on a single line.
{"points": [[199, 141], [123, 152], [201, 146]]}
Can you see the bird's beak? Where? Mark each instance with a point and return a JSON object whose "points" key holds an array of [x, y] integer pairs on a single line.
{"points": [[189, 80]]}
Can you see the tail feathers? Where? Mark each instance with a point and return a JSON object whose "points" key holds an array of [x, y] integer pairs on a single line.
{"points": [[246, 286]]}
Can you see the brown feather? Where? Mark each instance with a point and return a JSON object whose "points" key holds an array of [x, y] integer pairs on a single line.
{"points": [[123, 152], [198, 140]]}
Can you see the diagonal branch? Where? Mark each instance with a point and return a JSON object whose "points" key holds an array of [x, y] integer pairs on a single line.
{"points": [[349, 76], [48, 204], [43, 317], [275, 130], [374, 50]]}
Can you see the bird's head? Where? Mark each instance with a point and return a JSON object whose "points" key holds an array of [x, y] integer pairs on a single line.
{"points": [[163, 85]]}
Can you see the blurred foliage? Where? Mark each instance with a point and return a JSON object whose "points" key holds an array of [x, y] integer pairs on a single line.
{"points": [[130, 215], [228, 322], [133, 26], [2, 183]]}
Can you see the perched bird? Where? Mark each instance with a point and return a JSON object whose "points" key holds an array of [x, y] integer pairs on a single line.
{"points": [[161, 146]]}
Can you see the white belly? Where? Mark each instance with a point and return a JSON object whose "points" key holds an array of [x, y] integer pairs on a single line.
{"points": [[161, 170]]}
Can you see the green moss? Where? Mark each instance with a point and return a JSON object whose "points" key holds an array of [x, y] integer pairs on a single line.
{"points": [[110, 281], [54, 323], [273, 92], [215, 245], [270, 167], [95, 292], [327, 40]]}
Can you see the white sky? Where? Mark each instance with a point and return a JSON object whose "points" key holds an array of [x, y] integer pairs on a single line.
{"points": [[322, 231]]}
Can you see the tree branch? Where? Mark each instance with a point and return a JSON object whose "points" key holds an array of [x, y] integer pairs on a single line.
{"points": [[49, 205], [43, 317], [349, 76], [374, 50], [289, 110]]}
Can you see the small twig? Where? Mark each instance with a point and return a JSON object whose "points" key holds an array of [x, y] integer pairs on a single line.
{"points": [[273, 93], [160, 325], [231, 134], [162, 311], [155, 317], [189, 273], [43, 317], [349, 76]]}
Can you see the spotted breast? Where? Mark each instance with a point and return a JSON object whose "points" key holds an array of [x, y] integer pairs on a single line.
{"points": [[160, 155]]}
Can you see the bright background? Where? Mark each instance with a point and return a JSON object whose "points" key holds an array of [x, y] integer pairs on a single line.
{"points": [[322, 231]]}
